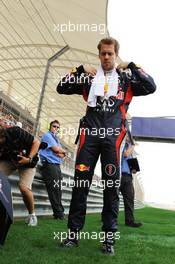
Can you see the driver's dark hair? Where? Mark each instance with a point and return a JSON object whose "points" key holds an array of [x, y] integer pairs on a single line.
{"points": [[109, 41]]}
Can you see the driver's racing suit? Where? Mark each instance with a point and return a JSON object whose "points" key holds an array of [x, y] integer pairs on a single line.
{"points": [[102, 131]]}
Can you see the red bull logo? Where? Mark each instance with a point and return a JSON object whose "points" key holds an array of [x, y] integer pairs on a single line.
{"points": [[82, 167]]}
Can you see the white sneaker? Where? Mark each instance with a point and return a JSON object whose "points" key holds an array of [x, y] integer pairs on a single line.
{"points": [[27, 220], [32, 220]]}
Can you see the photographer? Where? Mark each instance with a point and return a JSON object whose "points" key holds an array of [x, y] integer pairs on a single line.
{"points": [[18, 151]]}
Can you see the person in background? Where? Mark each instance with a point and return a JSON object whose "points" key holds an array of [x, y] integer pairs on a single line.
{"points": [[51, 159], [126, 185]]}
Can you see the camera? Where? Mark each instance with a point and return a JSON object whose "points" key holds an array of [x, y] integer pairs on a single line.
{"points": [[17, 156]]}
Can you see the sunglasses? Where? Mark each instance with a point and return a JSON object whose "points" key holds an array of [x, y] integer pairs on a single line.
{"points": [[55, 126]]}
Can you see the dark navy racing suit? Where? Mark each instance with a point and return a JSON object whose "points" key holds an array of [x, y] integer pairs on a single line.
{"points": [[102, 132]]}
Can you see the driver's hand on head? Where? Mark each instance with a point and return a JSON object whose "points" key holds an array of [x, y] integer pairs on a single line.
{"points": [[90, 69]]}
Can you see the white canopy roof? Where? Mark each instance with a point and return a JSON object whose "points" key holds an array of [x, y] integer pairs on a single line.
{"points": [[30, 35]]}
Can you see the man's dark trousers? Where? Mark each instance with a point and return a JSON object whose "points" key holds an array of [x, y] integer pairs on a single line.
{"points": [[87, 157], [52, 177], [127, 191]]}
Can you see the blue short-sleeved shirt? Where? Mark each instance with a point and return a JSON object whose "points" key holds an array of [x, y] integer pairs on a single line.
{"points": [[124, 164], [47, 153]]}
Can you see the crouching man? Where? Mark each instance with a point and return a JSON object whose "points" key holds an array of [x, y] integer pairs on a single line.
{"points": [[18, 151]]}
